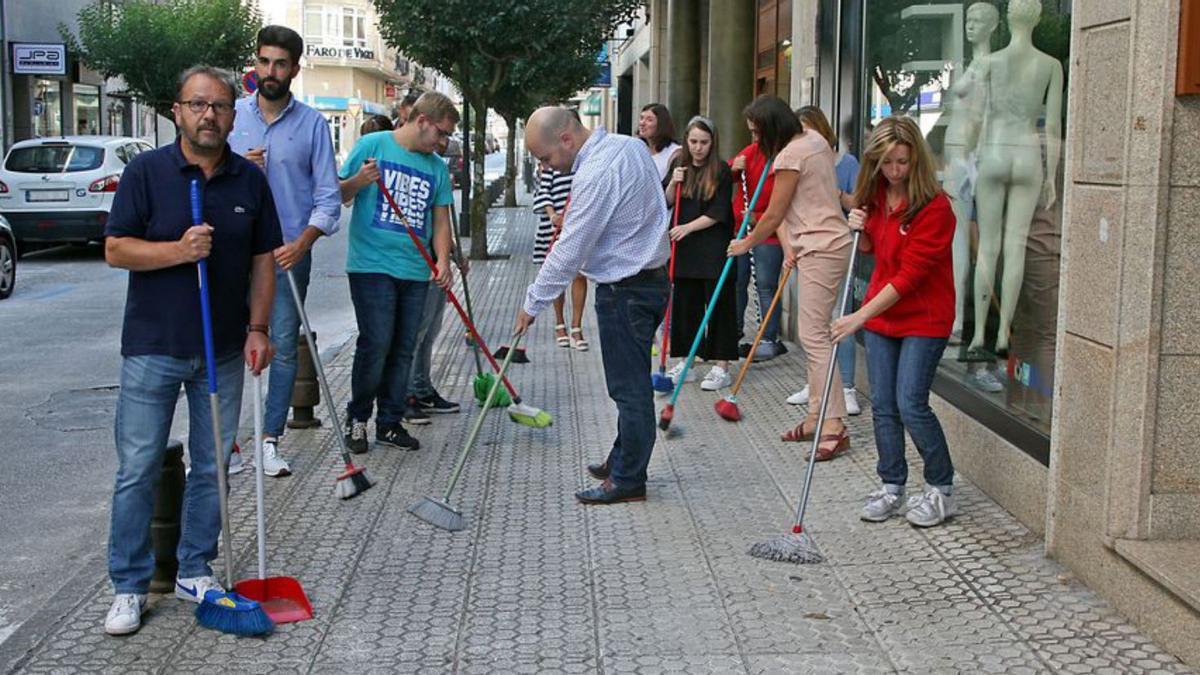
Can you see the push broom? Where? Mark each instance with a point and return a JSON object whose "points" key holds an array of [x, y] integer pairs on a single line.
{"points": [[439, 512], [225, 611], [518, 411], [659, 380], [797, 547], [668, 413], [727, 407], [483, 381]]}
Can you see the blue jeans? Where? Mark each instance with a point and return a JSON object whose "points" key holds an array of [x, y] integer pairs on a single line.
{"points": [[421, 384], [285, 324], [627, 314], [901, 371], [768, 261], [145, 407], [388, 311]]}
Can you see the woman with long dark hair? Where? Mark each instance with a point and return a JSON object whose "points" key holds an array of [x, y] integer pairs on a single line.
{"points": [[705, 227], [658, 131], [908, 315], [805, 202]]}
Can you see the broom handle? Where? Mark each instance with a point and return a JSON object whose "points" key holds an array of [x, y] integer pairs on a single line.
{"points": [[762, 329], [487, 404], [712, 304], [466, 287], [671, 277], [449, 293], [260, 513], [798, 527]]}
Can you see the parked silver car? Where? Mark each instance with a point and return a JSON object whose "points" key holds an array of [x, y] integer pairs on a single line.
{"points": [[58, 190], [8, 259]]}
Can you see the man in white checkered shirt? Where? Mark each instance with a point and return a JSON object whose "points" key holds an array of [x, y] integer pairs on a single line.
{"points": [[614, 233]]}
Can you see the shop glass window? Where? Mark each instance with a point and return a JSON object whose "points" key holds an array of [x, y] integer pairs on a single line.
{"points": [[87, 109], [986, 83], [47, 108]]}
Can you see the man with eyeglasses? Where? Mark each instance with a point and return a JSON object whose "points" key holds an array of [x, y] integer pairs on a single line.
{"points": [[388, 276], [150, 233], [290, 142]]}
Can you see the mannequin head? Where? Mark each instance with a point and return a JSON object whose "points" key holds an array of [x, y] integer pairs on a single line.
{"points": [[1024, 14], [982, 20]]}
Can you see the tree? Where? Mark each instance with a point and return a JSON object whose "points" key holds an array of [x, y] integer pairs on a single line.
{"points": [[113, 39], [477, 45]]}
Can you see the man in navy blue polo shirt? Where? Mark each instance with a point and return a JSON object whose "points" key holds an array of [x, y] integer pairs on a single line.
{"points": [[150, 233]]}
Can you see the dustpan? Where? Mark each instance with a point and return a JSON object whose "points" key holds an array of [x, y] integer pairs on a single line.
{"points": [[282, 598]]}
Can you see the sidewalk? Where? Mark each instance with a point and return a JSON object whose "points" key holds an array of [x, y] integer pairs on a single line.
{"points": [[537, 583]]}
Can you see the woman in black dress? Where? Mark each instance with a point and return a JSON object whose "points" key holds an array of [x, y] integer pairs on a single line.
{"points": [[701, 238]]}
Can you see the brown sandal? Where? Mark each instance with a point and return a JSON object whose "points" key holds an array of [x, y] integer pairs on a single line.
{"points": [[798, 434], [841, 443]]}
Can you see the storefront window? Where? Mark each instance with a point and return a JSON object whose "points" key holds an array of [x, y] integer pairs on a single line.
{"points": [[985, 82], [87, 109], [47, 108], [773, 48]]}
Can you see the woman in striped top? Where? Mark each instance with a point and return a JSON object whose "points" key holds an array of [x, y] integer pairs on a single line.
{"points": [[549, 202]]}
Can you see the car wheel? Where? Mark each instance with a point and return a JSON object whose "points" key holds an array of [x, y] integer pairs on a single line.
{"points": [[8, 267]]}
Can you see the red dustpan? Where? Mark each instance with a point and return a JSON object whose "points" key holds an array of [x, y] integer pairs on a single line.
{"points": [[282, 598]]}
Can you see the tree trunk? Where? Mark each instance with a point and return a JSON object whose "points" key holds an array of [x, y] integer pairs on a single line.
{"points": [[479, 205], [510, 164]]}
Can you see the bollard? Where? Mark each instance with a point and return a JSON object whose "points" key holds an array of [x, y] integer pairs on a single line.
{"points": [[306, 394], [164, 525]]}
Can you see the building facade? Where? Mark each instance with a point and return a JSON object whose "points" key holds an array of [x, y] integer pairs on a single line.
{"points": [[1068, 389]]}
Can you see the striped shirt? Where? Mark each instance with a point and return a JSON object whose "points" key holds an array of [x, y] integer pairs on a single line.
{"points": [[617, 223], [553, 190]]}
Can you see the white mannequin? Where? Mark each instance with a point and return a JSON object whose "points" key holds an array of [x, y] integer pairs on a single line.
{"points": [[1023, 85], [966, 101]]}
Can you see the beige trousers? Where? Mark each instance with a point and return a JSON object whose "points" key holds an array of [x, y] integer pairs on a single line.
{"points": [[822, 274]]}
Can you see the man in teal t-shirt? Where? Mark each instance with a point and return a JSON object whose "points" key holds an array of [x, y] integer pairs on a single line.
{"points": [[388, 275]]}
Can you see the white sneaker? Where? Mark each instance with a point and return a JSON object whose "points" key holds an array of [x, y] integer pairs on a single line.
{"points": [[236, 465], [273, 464], [881, 505], [799, 398], [931, 508], [194, 588], [717, 378], [674, 373], [984, 379], [852, 407], [125, 615]]}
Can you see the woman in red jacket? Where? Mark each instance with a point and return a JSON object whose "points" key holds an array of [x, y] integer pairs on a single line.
{"points": [[907, 313]]}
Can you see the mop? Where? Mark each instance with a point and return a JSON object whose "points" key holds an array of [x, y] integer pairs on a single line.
{"points": [[659, 380], [353, 480], [797, 547], [668, 413], [439, 512], [518, 411], [483, 381], [727, 407]]}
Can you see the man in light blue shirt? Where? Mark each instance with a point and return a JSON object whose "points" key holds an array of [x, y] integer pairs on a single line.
{"points": [[614, 232], [290, 142]]}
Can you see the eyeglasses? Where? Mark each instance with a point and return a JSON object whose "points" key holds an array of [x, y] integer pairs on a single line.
{"points": [[442, 133], [199, 107]]}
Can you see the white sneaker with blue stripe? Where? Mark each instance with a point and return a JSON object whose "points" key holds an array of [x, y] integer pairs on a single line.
{"points": [[194, 588]]}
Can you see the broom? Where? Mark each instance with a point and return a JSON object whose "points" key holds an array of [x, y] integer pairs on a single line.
{"points": [[353, 480], [668, 413], [727, 407], [659, 380], [518, 411], [483, 381], [227, 612], [439, 512], [797, 547]]}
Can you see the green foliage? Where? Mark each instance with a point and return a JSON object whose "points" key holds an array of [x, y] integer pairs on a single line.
{"points": [[115, 40]]}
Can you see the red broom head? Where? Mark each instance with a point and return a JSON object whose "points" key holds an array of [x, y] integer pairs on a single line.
{"points": [[350, 471], [727, 408], [664, 419]]}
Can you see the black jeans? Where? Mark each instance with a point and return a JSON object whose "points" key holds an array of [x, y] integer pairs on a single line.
{"points": [[628, 312]]}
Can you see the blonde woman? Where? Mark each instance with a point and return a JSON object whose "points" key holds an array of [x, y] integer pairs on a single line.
{"points": [[816, 243], [908, 314]]}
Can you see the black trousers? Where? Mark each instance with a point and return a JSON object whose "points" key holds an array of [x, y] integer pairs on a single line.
{"points": [[688, 304]]}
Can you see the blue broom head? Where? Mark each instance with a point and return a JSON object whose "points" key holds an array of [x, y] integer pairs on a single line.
{"points": [[661, 383], [233, 614]]}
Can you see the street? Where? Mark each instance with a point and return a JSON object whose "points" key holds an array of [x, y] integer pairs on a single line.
{"points": [[59, 369]]}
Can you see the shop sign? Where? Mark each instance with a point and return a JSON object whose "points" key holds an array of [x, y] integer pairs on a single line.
{"points": [[353, 53], [39, 59]]}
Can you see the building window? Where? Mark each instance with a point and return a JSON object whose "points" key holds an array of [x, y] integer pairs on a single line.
{"points": [[87, 109], [335, 26], [773, 48], [997, 139], [47, 108]]}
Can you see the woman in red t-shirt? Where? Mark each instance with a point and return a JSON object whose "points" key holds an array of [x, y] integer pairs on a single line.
{"points": [[907, 313]]}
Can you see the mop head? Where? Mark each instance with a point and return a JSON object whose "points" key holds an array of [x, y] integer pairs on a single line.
{"points": [[797, 548], [483, 384], [233, 614], [661, 383], [728, 409], [352, 483], [438, 513], [529, 416], [665, 417]]}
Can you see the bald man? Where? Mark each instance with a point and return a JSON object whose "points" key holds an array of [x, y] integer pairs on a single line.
{"points": [[615, 234]]}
